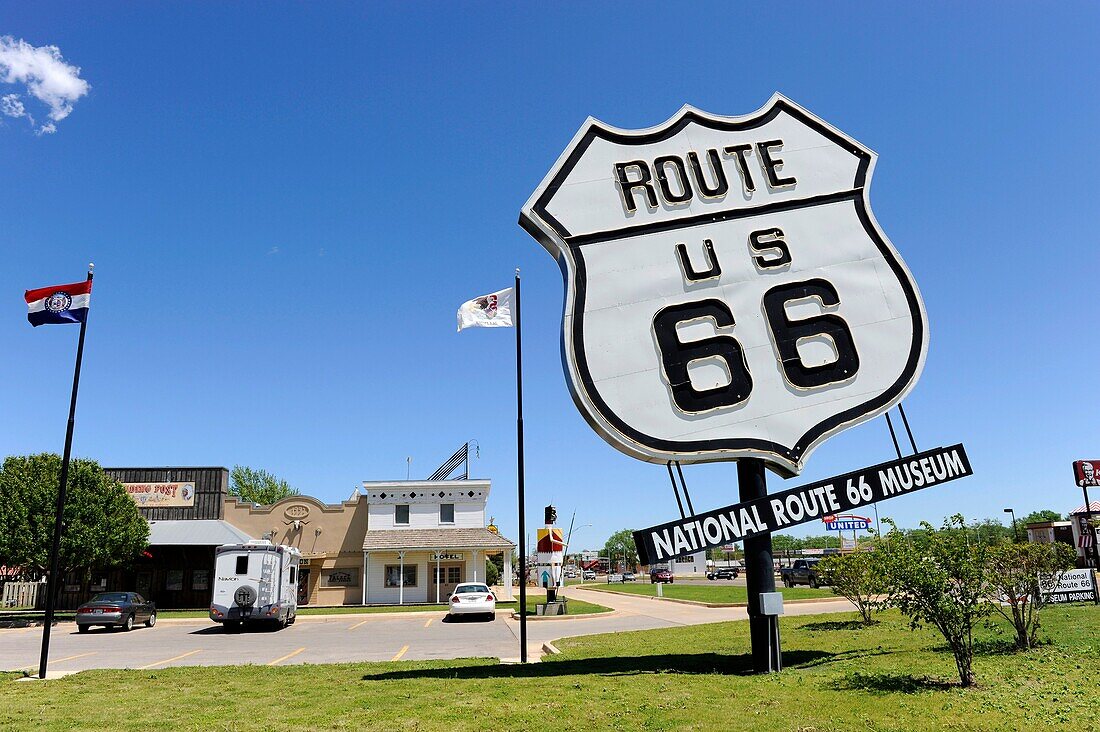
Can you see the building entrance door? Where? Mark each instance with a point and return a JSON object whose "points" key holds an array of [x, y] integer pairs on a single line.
{"points": [[449, 576], [303, 586]]}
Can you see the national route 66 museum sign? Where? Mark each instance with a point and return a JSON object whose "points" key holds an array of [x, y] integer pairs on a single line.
{"points": [[729, 292]]}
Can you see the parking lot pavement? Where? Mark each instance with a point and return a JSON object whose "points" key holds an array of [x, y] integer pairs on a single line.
{"points": [[333, 639], [348, 638]]}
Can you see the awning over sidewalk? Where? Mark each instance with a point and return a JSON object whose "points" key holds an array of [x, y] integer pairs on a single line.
{"points": [[201, 532], [412, 539]]}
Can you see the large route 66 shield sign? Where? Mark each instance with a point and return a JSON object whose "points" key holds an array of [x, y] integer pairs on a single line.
{"points": [[729, 292]]}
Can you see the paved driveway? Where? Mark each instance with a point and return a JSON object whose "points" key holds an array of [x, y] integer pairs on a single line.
{"points": [[340, 638]]}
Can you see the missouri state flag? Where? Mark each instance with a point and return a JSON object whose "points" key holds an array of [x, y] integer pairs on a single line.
{"points": [[59, 304]]}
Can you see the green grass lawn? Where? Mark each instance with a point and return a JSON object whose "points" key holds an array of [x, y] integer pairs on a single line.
{"points": [[717, 592], [839, 676]]}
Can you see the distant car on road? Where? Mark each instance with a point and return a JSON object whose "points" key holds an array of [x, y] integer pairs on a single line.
{"points": [[658, 576], [589, 574], [473, 599], [723, 573], [117, 610], [629, 577], [804, 572]]}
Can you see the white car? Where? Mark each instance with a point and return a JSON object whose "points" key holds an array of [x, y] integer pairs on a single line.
{"points": [[473, 598]]}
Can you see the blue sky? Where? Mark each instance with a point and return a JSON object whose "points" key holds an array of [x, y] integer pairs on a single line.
{"points": [[287, 203]]}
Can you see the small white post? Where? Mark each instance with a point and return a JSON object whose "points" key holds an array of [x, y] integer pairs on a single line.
{"points": [[401, 578], [660, 589], [437, 576], [366, 566], [507, 578]]}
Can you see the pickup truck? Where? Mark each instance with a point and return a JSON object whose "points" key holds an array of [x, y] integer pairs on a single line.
{"points": [[803, 572]]}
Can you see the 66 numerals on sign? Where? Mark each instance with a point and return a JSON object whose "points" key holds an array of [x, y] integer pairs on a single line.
{"points": [[786, 333]]}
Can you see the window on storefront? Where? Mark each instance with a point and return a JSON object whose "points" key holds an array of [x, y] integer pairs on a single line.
{"points": [[401, 514], [446, 513], [393, 575]]}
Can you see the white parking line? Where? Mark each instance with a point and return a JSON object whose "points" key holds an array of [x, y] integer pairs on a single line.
{"points": [[169, 660], [292, 654]]}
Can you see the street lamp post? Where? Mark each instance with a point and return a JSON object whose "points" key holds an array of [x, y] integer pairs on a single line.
{"points": [[1015, 534]]}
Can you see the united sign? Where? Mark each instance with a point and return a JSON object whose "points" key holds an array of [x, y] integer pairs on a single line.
{"points": [[729, 292]]}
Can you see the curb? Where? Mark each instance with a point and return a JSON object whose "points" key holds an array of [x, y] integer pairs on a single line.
{"points": [[550, 648]]}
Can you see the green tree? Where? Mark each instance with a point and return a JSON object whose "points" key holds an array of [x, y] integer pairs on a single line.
{"points": [[856, 576], [1016, 574], [828, 541], [620, 545], [783, 542], [101, 528], [494, 568], [258, 486], [938, 578], [1037, 517]]}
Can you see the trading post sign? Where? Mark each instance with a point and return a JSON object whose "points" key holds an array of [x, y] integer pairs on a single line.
{"points": [[161, 495], [798, 505], [729, 292]]}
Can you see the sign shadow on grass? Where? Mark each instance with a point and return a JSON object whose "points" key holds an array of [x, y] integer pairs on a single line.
{"points": [[676, 663], [891, 683]]}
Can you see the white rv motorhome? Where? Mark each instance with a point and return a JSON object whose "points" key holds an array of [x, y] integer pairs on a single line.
{"points": [[255, 582]]}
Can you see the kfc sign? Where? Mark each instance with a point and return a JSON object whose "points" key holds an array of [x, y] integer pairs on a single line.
{"points": [[728, 291], [1086, 473]]}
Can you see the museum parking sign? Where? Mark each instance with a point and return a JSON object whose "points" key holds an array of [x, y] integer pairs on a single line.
{"points": [[729, 292]]}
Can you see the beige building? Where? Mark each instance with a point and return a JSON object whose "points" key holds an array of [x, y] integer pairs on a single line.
{"points": [[330, 538], [399, 542]]}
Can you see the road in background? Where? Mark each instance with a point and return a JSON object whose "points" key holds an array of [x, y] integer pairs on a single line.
{"points": [[348, 638]]}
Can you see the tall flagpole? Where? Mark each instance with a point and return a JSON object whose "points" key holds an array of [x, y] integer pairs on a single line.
{"points": [[519, 466], [53, 584]]}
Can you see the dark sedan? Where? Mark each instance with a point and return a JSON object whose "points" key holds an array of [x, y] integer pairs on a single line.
{"points": [[116, 609]]}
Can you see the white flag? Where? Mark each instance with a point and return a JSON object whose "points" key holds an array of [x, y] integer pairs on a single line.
{"points": [[487, 311]]}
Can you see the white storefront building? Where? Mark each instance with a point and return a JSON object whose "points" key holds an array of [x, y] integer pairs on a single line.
{"points": [[425, 537]]}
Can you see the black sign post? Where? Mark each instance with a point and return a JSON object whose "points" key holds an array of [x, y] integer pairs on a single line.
{"points": [[759, 571]]}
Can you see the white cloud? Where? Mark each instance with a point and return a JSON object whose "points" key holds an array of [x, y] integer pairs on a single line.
{"points": [[11, 106], [46, 77], [273, 250]]}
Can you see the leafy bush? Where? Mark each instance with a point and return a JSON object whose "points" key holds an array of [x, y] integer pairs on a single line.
{"points": [[938, 578], [1014, 575], [858, 577]]}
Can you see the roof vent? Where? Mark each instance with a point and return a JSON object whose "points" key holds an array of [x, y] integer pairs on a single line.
{"points": [[470, 494], [412, 495], [382, 496]]}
